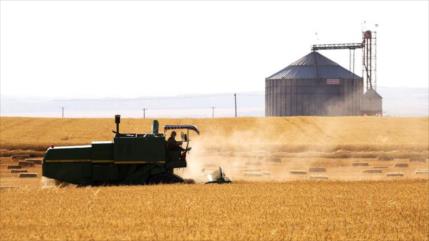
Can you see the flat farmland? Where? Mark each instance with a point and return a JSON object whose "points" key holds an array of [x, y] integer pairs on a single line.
{"points": [[300, 178], [256, 149], [380, 210], [291, 133]]}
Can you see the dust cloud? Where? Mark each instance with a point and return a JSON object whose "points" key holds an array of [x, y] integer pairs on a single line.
{"points": [[260, 153]]}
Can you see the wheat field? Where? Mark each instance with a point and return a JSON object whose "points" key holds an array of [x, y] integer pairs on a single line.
{"points": [[336, 132], [253, 144], [265, 202], [386, 210]]}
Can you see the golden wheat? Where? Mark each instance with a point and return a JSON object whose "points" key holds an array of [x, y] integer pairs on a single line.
{"points": [[291, 134], [298, 210], [388, 210]]}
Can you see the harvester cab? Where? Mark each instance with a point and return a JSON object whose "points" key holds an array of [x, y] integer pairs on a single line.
{"points": [[184, 136], [131, 158]]}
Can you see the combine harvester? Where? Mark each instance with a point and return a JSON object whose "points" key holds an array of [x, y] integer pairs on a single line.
{"points": [[128, 159]]}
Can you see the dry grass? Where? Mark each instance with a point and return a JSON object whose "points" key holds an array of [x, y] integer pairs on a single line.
{"points": [[296, 210], [386, 210], [286, 134]]}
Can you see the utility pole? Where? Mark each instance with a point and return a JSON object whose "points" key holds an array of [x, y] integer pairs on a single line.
{"points": [[235, 104], [62, 112], [213, 109], [144, 113]]}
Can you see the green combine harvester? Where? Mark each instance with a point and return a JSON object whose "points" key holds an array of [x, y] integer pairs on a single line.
{"points": [[128, 159]]}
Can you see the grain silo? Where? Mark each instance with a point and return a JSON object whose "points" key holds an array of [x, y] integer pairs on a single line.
{"points": [[371, 103], [313, 85]]}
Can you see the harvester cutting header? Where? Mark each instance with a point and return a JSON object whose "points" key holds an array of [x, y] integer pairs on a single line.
{"points": [[130, 158]]}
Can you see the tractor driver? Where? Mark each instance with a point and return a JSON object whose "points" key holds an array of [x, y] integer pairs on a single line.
{"points": [[172, 144]]}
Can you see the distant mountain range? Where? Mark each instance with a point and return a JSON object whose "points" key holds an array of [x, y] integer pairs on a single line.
{"points": [[396, 102]]}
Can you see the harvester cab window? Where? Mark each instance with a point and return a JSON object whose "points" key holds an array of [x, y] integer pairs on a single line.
{"points": [[184, 137]]}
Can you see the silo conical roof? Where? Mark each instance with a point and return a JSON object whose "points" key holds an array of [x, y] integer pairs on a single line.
{"points": [[372, 94], [314, 66]]}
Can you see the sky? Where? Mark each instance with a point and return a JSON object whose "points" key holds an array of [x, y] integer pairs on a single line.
{"points": [[98, 49]]}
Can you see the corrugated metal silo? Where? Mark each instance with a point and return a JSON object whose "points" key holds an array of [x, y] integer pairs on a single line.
{"points": [[371, 103], [313, 85]]}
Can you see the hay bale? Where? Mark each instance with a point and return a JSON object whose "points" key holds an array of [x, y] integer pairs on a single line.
{"points": [[385, 158], [275, 159], [251, 170], [27, 175], [25, 164], [360, 164], [7, 187], [18, 171], [422, 171], [253, 174], [253, 163], [395, 174], [417, 159], [319, 177], [317, 169], [298, 172], [373, 171], [401, 165], [34, 161], [20, 157], [13, 167]]}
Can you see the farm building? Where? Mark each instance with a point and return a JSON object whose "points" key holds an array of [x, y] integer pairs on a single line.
{"points": [[313, 85]]}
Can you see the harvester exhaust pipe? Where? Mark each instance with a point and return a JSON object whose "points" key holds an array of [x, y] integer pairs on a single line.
{"points": [[117, 122], [155, 127]]}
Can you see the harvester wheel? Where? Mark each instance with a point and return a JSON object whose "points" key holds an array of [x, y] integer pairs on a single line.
{"points": [[165, 178]]}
